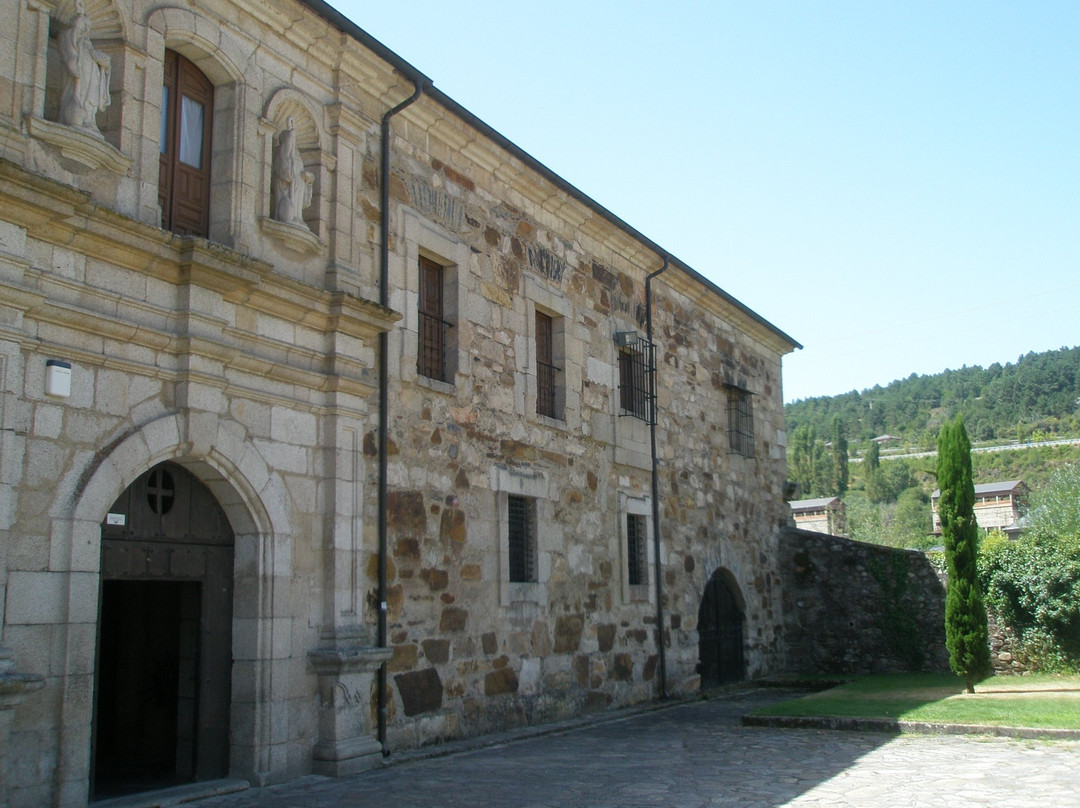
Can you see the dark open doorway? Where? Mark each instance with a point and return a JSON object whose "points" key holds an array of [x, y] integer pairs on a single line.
{"points": [[164, 637], [720, 633]]}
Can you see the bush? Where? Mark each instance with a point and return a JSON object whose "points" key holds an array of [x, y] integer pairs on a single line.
{"points": [[1033, 585]]}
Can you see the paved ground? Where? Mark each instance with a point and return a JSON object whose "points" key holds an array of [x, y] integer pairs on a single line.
{"points": [[697, 754]]}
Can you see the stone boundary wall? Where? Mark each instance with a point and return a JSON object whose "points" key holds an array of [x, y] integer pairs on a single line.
{"points": [[1005, 654], [851, 607]]}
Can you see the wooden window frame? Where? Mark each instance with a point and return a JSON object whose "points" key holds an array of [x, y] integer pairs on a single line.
{"points": [[183, 189]]}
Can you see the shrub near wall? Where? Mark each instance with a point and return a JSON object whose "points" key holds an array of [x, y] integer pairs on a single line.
{"points": [[1033, 586], [851, 607]]}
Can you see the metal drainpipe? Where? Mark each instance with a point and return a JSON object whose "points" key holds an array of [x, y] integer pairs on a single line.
{"points": [[384, 407], [658, 569]]}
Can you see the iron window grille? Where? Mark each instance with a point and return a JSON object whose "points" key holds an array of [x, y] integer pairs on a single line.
{"points": [[740, 412], [637, 376], [546, 371], [433, 328], [521, 532], [635, 548]]}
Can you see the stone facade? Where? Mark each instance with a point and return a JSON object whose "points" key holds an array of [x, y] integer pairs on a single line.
{"points": [[249, 358]]}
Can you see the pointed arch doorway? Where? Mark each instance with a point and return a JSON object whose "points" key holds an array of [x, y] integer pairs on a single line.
{"points": [[720, 632], [164, 658]]}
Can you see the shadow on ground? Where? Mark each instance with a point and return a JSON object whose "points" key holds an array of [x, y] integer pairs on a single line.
{"points": [[690, 754]]}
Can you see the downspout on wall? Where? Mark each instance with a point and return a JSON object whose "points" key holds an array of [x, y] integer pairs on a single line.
{"points": [[384, 378], [658, 567]]}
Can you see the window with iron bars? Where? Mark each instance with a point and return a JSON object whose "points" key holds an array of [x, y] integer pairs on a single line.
{"points": [[740, 412], [433, 328], [521, 532], [637, 376], [636, 555], [547, 373]]}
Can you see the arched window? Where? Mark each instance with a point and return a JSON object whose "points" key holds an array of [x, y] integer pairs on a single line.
{"points": [[187, 105]]}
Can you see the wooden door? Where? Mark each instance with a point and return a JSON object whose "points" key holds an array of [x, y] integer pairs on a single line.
{"points": [[164, 637], [187, 103]]}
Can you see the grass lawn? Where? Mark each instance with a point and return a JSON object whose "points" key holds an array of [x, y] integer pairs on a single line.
{"points": [[1008, 701]]}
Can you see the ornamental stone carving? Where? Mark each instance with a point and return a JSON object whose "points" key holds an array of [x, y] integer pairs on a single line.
{"points": [[86, 75], [292, 184]]}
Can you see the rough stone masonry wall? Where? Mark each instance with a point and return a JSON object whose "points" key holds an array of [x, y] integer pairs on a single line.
{"points": [[473, 653], [852, 608], [860, 608]]}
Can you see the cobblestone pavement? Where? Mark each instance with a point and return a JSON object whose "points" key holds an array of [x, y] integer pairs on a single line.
{"points": [[697, 754]]}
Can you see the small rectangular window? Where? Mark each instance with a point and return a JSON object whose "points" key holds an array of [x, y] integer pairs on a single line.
{"points": [[548, 374], [521, 531], [431, 351], [740, 412], [636, 554], [636, 377]]}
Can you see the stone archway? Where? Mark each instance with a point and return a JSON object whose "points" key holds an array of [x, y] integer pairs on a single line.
{"points": [[163, 689], [257, 509], [721, 621]]}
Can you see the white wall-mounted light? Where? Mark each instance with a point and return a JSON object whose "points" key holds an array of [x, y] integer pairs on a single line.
{"points": [[57, 378]]}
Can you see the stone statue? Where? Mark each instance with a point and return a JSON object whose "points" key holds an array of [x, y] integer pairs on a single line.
{"points": [[292, 185], [86, 74]]}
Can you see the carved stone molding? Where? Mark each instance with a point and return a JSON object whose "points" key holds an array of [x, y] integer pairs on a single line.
{"points": [[296, 238], [346, 745], [83, 147]]}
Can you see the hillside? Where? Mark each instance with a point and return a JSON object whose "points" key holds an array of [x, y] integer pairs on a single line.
{"points": [[1036, 397]]}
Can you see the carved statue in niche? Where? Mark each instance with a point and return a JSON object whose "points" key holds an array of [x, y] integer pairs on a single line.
{"points": [[292, 185], [86, 74]]}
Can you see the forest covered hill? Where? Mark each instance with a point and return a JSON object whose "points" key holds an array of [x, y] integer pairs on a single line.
{"points": [[1037, 397]]}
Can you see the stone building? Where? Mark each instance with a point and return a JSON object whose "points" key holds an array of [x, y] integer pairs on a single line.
{"points": [[823, 515], [998, 506], [298, 465]]}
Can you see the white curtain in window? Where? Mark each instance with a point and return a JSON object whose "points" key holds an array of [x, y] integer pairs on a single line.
{"points": [[191, 131]]}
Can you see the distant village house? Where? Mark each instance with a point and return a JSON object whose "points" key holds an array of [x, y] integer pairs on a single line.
{"points": [[997, 506], [822, 515]]}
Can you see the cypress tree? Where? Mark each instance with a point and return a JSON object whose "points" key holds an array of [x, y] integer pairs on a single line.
{"points": [[966, 633], [839, 457], [872, 473], [801, 467]]}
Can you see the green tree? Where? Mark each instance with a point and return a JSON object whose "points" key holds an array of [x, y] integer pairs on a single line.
{"points": [[872, 474], [966, 633], [839, 457], [1055, 507], [912, 520], [873, 457], [802, 469]]}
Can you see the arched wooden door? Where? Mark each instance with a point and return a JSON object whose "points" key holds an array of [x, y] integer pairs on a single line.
{"points": [[164, 662], [720, 633]]}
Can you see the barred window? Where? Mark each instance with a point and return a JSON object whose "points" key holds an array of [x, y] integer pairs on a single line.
{"points": [[636, 555], [431, 357], [740, 411], [636, 377], [548, 381], [521, 531]]}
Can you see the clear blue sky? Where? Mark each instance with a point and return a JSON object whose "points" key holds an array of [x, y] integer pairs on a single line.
{"points": [[894, 184]]}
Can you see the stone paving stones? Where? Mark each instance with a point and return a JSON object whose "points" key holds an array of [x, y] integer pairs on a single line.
{"points": [[696, 754]]}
